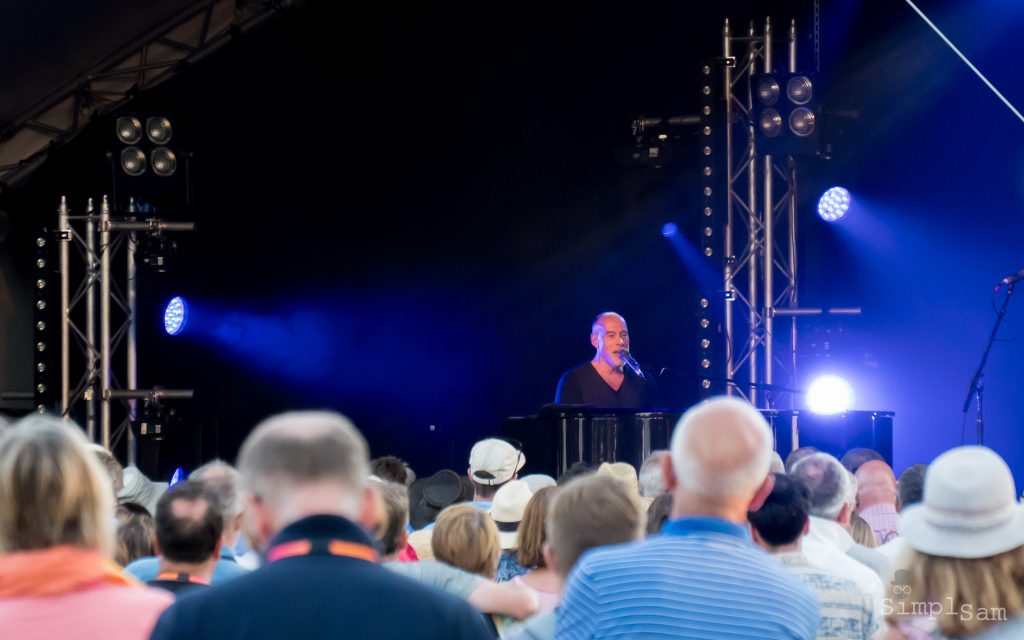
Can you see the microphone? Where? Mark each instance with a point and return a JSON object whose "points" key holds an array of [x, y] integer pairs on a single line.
{"points": [[632, 363], [1013, 277]]}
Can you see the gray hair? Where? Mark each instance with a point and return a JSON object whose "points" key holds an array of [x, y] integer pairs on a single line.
{"points": [[289, 450], [652, 480], [830, 486], [224, 482]]}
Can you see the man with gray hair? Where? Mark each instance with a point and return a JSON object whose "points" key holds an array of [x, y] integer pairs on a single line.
{"points": [[652, 481], [704, 573], [308, 505], [224, 483], [832, 492]]}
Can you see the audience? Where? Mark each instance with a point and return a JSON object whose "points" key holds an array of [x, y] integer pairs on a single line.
{"points": [[910, 491], [736, 547], [57, 575], [847, 613], [857, 456], [532, 538], [189, 526], [224, 484], [706, 576], [828, 544], [135, 532], [390, 468], [507, 510], [797, 455], [876, 499], [492, 463], [587, 512], [650, 478], [467, 538], [306, 477], [966, 573], [658, 513], [487, 596], [861, 532]]}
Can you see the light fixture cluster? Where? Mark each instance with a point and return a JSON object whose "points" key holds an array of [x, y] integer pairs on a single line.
{"points": [[785, 115], [154, 136], [41, 318], [709, 240]]}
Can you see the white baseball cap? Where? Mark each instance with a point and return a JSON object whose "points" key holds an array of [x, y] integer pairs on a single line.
{"points": [[493, 461]]}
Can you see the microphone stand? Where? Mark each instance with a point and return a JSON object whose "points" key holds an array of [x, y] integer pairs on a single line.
{"points": [[976, 387]]}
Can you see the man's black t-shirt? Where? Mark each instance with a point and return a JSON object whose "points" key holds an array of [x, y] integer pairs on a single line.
{"points": [[584, 385]]}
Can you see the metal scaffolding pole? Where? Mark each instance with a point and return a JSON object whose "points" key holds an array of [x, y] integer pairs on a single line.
{"points": [[730, 371], [769, 236], [64, 228], [91, 275], [132, 347], [105, 250]]}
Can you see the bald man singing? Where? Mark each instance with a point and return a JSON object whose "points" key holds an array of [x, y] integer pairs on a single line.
{"points": [[606, 381]]}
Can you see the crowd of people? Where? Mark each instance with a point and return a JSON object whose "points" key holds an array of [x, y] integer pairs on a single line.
{"points": [[306, 537]]}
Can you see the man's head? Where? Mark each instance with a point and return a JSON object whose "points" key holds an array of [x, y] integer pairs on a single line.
{"points": [[224, 482], [857, 456], [782, 519], [876, 484], [492, 463], [830, 487], [911, 486], [652, 480], [720, 454], [797, 455], [609, 336], [300, 464], [189, 525], [590, 511], [389, 468]]}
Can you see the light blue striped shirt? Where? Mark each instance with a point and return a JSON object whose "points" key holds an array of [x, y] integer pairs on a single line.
{"points": [[701, 578]]}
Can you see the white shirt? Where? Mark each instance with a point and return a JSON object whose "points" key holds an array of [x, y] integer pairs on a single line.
{"points": [[825, 546]]}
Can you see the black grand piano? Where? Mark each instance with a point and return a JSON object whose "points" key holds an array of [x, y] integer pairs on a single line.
{"points": [[561, 435]]}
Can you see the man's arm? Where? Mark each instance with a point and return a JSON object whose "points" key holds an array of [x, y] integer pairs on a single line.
{"points": [[509, 599]]}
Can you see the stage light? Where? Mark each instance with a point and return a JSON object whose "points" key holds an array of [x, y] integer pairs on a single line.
{"points": [[771, 123], [768, 91], [801, 121], [164, 162], [158, 129], [129, 130], [133, 161], [829, 394], [670, 229], [175, 316], [798, 89], [834, 204]]}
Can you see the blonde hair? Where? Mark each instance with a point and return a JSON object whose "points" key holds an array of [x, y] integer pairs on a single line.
{"points": [[467, 538], [53, 489], [532, 530], [861, 532], [993, 583]]}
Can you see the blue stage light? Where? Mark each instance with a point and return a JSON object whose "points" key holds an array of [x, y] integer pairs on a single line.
{"points": [[834, 204], [670, 229], [175, 316], [829, 394]]}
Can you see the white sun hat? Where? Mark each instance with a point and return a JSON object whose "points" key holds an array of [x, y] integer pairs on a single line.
{"points": [[970, 507]]}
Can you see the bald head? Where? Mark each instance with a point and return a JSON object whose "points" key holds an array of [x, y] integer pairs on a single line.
{"points": [[302, 452], [721, 449], [603, 320], [876, 484]]}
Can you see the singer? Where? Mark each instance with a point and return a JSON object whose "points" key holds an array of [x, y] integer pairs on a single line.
{"points": [[609, 381]]}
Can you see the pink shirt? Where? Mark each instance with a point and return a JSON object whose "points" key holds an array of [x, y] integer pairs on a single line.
{"points": [[102, 612], [548, 600], [883, 520]]}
